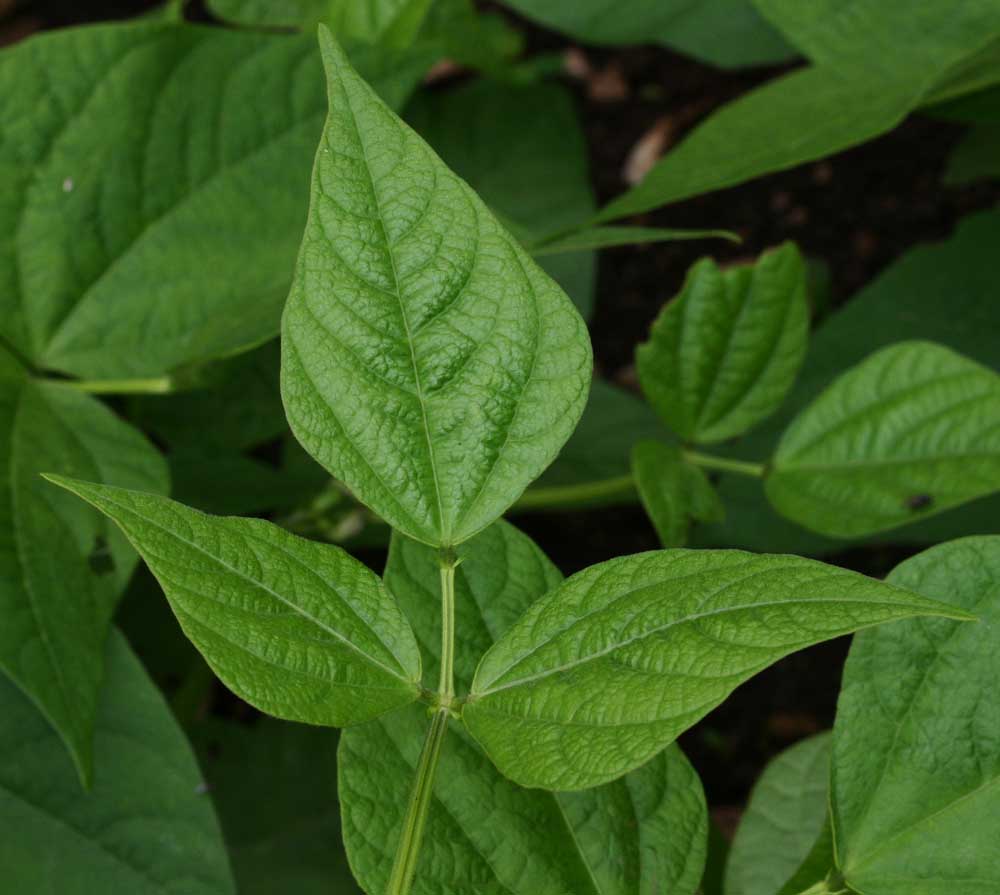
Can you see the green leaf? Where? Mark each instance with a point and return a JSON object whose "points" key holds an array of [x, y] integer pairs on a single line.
{"points": [[783, 819], [723, 354], [145, 828], [298, 629], [907, 301], [728, 33], [911, 431], [485, 834], [607, 237], [535, 178], [875, 65], [426, 361], [673, 491], [607, 669], [916, 765], [275, 787], [62, 566], [155, 187], [816, 865]]}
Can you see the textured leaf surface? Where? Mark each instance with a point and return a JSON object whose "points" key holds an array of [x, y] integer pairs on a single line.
{"points": [[155, 188], [941, 292], [301, 630], [673, 491], [535, 178], [145, 828], [875, 65], [911, 431], [485, 834], [604, 671], [427, 362], [916, 753], [783, 819], [367, 20], [62, 566], [723, 354], [275, 787], [729, 33]]}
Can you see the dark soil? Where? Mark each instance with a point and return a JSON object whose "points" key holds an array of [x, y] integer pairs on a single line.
{"points": [[857, 211]]}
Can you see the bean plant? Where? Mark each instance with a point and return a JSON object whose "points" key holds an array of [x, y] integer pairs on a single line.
{"points": [[504, 729]]}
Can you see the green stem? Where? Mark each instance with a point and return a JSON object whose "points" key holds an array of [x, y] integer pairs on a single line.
{"points": [[446, 684], [603, 490], [724, 464], [160, 385], [408, 848]]}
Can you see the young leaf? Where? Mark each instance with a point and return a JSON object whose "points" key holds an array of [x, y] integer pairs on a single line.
{"points": [[145, 828], [155, 189], [607, 669], [911, 431], [275, 787], [784, 817], [673, 491], [62, 565], [916, 763], [722, 355], [301, 630], [484, 833], [426, 361]]}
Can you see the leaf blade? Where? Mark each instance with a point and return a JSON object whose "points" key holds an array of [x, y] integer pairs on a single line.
{"points": [[614, 664], [430, 340], [299, 629]]}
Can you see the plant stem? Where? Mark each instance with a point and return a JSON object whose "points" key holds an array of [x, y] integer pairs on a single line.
{"points": [[446, 684], [724, 464], [408, 849], [572, 495], [160, 385]]}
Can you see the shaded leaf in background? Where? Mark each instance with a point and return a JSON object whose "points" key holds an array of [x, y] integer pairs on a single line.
{"points": [[298, 629], [723, 354], [868, 77], [911, 431], [521, 149], [603, 672], [728, 33], [977, 156], [915, 789], [274, 785], [159, 161], [62, 567], [485, 834], [673, 491], [145, 828], [782, 821], [411, 306], [943, 292], [607, 237]]}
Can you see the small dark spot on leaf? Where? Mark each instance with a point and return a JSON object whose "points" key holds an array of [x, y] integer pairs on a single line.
{"points": [[919, 501], [100, 560]]}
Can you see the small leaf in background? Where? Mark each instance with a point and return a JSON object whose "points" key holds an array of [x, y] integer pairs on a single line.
{"points": [[607, 237], [977, 156], [62, 566], [145, 828], [298, 629], [727, 33], [146, 241], [723, 354], [604, 671], [427, 362], [673, 491], [274, 785], [484, 833], [911, 431], [783, 819], [916, 754]]}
